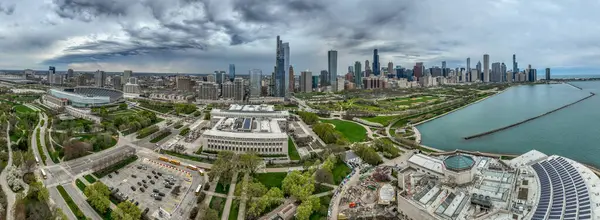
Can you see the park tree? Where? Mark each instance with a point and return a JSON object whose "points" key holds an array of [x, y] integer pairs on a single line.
{"points": [[304, 211], [367, 154], [75, 148], [324, 176], [122, 106], [97, 194], [38, 191], [125, 211], [249, 162], [299, 185], [224, 167], [28, 161], [17, 158], [329, 163]]}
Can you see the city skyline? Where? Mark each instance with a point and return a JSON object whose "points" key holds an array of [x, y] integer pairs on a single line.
{"points": [[140, 36]]}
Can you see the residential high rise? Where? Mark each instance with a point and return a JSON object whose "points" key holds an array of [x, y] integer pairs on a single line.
{"points": [[239, 89], [325, 78], [418, 70], [367, 69], [219, 77], [210, 78], [306, 81], [255, 77], [100, 78], [350, 69], [357, 74], [228, 90], [486, 68], [376, 67], [496, 75], [126, 75], [291, 78], [468, 64], [286, 68], [390, 67], [184, 83], [208, 91], [231, 72], [131, 86], [117, 83], [547, 74], [70, 73], [332, 60], [280, 69], [51, 72]]}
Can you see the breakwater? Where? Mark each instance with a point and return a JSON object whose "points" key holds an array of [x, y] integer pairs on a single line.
{"points": [[571, 84], [527, 120]]}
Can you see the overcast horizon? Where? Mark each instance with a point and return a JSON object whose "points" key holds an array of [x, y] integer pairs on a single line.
{"points": [[201, 36]]}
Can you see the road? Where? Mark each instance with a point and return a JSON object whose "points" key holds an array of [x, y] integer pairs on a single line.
{"points": [[10, 195], [60, 202], [79, 199]]}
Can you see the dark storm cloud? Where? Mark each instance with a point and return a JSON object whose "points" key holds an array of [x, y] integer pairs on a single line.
{"points": [[275, 11], [87, 10], [7, 9]]}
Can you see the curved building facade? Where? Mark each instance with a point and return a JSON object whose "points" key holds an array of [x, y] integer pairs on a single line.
{"points": [[87, 96]]}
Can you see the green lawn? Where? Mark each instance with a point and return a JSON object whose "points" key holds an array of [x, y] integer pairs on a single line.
{"points": [[271, 179], [39, 146], [223, 189], [72, 205], [90, 178], [383, 120], [352, 131], [292, 152], [340, 171], [22, 109], [235, 209], [80, 185], [160, 137], [217, 203]]}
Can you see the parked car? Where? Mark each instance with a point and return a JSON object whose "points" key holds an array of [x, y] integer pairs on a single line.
{"points": [[142, 189], [145, 186], [155, 191], [132, 188], [144, 181], [109, 176], [133, 175], [168, 186], [161, 194], [139, 183], [152, 181]]}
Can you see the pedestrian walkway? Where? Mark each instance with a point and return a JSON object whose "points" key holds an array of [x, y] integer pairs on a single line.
{"points": [[10, 195], [230, 196], [242, 210]]}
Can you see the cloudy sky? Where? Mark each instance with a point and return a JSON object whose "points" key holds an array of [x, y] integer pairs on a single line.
{"points": [[200, 36]]}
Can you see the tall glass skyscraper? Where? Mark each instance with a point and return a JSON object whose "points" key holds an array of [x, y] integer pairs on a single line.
{"points": [[255, 77], [357, 74], [231, 72], [332, 60], [376, 67], [286, 66], [280, 69]]}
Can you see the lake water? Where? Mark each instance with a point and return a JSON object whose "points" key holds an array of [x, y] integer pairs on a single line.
{"points": [[573, 132]]}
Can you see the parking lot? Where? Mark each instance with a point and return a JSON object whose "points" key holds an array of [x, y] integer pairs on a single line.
{"points": [[153, 184]]}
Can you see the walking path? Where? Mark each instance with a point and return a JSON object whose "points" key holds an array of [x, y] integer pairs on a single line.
{"points": [[43, 140], [10, 195], [242, 210], [338, 198], [60, 202], [230, 196]]}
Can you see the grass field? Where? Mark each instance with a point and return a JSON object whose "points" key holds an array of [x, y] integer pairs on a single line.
{"points": [[80, 185], [223, 189], [217, 203], [90, 178], [23, 109], [292, 152], [352, 131], [271, 179], [340, 171], [235, 209], [383, 120]]}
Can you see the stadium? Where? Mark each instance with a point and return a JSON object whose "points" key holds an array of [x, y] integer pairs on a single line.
{"points": [[84, 97]]}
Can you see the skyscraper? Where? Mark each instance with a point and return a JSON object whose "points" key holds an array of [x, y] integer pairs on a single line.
{"points": [[184, 83], [280, 70], [376, 67], [418, 70], [286, 68], [390, 67], [291, 83], [367, 69], [219, 77], [547, 74], [332, 60], [117, 84], [486, 68], [69, 73], [306, 81], [357, 74], [255, 77], [315, 82], [51, 72], [496, 75], [231, 72], [324, 78], [350, 69], [126, 75], [444, 71], [515, 67], [100, 78], [503, 72], [468, 64]]}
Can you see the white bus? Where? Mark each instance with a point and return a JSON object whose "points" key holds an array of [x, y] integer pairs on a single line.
{"points": [[43, 173], [37, 161], [198, 189]]}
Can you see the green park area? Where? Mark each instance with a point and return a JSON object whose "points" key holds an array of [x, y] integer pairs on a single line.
{"points": [[292, 152], [375, 106], [23, 109], [340, 171], [383, 120], [350, 130], [270, 179]]}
